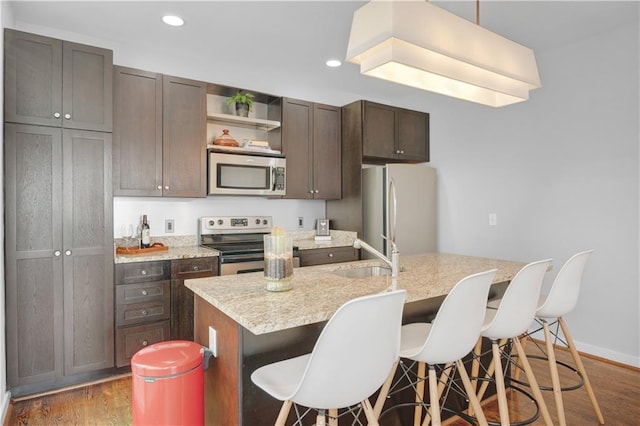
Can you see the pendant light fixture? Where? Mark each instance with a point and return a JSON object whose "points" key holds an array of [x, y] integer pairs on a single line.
{"points": [[418, 44]]}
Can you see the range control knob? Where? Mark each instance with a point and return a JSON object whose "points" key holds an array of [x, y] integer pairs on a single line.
{"points": [[257, 221], [212, 223], [220, 222], [264, 221]]}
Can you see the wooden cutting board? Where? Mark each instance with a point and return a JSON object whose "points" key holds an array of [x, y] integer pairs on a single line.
{"points": [[135, 251]]}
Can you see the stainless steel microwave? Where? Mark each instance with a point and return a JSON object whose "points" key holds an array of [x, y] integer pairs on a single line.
{"points": [[246, 173]]}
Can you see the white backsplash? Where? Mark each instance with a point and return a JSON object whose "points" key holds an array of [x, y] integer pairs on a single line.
{"points": [[185, 212]]}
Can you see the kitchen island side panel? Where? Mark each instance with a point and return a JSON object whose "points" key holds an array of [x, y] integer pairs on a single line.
{"points": [[222, 378]]}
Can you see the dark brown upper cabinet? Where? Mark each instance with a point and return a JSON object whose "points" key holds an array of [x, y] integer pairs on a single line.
{"points": [[311, 142], [57, 83], [159, 135], [392, 134]]}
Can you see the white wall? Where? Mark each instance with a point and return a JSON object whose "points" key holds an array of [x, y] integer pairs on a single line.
{"points": [[185, 212], [561, 173]]}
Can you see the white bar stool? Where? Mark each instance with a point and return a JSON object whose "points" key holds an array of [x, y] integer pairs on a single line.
{"points": [[349, 362], [446, 340], [511, 319], [561, 300]]}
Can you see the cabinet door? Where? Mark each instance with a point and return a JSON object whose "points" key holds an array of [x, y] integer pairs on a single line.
{"points": [[33, 244], [137, 133], [297, 136], [379, 131], [87, 251], [184, 138], [33, 79], [87, 87], [182, 298], [327, 152], [413, 135]]}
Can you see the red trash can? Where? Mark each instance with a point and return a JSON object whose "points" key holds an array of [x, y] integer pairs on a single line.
{"points": [[168, 384]]}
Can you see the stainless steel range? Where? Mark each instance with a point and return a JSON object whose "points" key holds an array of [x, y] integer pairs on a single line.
{"points": [[239, 239]]}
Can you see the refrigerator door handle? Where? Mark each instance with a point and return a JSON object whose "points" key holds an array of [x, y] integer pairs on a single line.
{"points": [[394, 208]]}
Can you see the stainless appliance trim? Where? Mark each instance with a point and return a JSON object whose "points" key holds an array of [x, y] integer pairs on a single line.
{"points": [[274, 168]]}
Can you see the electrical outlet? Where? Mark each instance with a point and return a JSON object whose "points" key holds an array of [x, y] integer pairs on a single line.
{"points": [[300, 222], [213, 343], [493, 219], [168, 226]]}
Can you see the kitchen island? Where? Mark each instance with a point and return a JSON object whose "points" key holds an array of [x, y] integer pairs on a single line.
{"points": [[254, 327]]}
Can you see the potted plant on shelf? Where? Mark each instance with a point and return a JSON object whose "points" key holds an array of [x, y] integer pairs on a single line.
{"points": [[243, 101]]}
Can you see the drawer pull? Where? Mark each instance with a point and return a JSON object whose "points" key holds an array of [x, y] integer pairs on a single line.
{"points": [[195, 267], [145, 292], [144, 312], [67, 116], [145, 343], [330, 254], [143, 272], [56, 114]]}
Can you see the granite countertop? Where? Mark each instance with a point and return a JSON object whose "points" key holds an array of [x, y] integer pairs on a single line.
{"points": [[186, 246], [180, 247], [317, 293]]}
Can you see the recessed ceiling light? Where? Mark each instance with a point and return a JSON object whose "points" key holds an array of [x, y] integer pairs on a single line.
{"points": [[333, 63], [173, 20]]}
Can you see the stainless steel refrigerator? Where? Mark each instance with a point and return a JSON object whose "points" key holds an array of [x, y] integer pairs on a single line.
{"points": [[416, 209]]}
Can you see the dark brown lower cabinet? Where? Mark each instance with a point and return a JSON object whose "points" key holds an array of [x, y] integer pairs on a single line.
{"points": [[152, 303], [59, 255], [182, 297], [328, 255], [142, 306]]}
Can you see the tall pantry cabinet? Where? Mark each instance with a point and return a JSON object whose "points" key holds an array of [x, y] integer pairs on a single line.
{"points": [[58, 201]]}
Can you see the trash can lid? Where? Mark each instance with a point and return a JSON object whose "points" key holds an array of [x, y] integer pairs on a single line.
{"points": [[167, 358]]}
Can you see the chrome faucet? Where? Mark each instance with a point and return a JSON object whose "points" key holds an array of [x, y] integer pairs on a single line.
{"points": [[394, 261]]}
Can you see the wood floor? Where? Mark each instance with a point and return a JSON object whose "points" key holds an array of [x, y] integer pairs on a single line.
{"points": [[617, 388]]}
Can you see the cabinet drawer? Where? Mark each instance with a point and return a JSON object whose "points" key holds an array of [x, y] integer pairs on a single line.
{"points": [[158, 308], [142, 292], [328, 255], [194, 268], [130, 340], [143, 271]]}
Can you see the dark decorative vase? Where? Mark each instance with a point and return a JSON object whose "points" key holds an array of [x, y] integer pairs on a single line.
{"points": [[242, 110]]}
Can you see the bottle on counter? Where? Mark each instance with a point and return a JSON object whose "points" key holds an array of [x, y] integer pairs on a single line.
{"points": [[145, 233]]}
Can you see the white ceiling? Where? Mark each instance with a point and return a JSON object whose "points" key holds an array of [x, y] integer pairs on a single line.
{"points": [[281, 47]]}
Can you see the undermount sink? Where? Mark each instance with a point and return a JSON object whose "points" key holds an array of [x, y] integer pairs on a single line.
{"points": [[367, 271]]}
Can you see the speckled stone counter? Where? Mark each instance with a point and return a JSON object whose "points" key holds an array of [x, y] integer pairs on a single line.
{"points": [[244, 299], [305, 240], [254, 327], [180, 247]]}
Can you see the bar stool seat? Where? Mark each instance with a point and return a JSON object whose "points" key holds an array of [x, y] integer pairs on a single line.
{"points": [[349, 362]]}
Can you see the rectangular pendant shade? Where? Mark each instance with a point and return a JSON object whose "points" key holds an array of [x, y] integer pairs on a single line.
{"points": [[418, 44]]}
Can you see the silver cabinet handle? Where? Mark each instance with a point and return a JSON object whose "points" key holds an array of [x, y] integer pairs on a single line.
{"points": [[166, 187], [145, 292], [143, 272], [145, 343], [330, 254], [311, 191], [67, 116], [56, 114], [144, 312], [57, 253], [67, 252], [159, 187], [195, 267], [316, 191]]}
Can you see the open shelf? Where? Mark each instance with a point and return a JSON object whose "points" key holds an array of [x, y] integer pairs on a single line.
{"points": [[244, 121]]}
